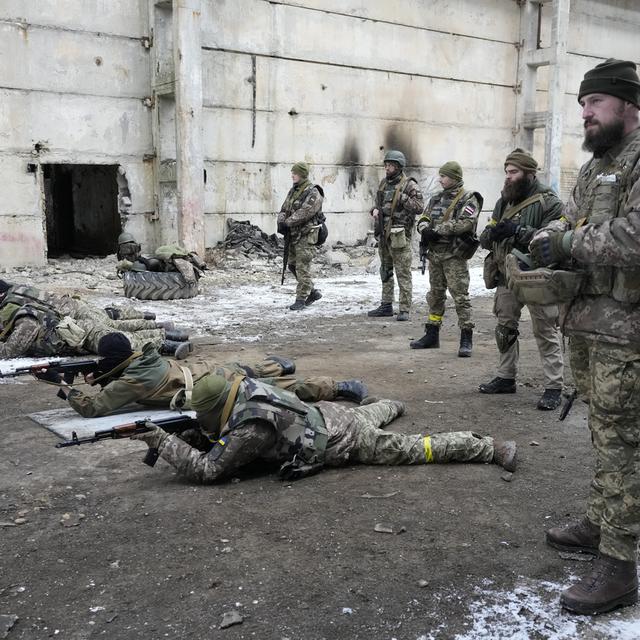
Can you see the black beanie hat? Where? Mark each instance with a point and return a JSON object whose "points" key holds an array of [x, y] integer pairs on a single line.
{"points": [[615, 78], [114, 348], [4, 286]]}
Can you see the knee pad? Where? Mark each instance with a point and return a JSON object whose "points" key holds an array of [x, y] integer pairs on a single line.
{"points": [[505, 337]]}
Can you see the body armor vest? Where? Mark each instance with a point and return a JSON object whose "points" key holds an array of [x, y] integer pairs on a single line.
{"points": [[606, 188], [387, 197], [300, 429]]}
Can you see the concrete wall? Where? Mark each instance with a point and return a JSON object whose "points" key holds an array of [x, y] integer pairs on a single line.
{"points": [[332, 82], [73, 75]]}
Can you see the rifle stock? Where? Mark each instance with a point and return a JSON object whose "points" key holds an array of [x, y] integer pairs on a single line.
{"points": [[285, 255], [172, 424]]}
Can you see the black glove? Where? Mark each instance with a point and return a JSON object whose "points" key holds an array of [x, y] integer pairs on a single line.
{"points": [[282, 228], [504, 229], [429, 235]]}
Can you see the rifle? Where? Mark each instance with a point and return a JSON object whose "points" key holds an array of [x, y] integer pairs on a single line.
{"points": [[568, 403], [172, 424], [56, 371], [285, 255], [423, 257]]}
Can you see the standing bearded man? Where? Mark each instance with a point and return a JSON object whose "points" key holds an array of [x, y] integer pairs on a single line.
{"points": [[603, 324]]}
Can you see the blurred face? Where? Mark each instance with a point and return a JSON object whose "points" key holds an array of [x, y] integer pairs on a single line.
{"points": [[604, 122], [516, 183], [391, 168], [446, 182], [295, 178]]}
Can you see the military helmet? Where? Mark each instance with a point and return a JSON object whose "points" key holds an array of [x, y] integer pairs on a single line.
{"points": [[395, 156], [123, 238]]}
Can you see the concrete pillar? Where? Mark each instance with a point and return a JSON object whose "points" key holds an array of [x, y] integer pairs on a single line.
{"points": [[187, 53], [556, 92]]}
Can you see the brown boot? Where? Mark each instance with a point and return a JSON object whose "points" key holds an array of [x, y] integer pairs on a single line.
{"points": [[505, 455], [612, 583], [578, 537]]}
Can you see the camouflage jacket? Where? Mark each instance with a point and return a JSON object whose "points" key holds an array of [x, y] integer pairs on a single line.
{"points": [[302, 209], [150, 380], [536, 215], [604, 211], [28, 302], [299, 427], [400, 201], [462, 220]]}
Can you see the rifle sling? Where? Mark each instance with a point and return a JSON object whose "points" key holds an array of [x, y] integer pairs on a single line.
{"points": [[230, 401], [451, 207], [509, 213]]}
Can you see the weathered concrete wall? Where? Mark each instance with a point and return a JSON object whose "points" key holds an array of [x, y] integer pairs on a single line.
{"points": [[73, 75], [333, 82]]}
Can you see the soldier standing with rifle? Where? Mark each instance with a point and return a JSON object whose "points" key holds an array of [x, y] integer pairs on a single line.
{"points": [[447, 229], [398, 202], [300, 221], [603, 324]]}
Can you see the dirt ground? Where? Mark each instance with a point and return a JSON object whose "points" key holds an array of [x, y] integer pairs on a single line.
{"points": [[95, 544]]}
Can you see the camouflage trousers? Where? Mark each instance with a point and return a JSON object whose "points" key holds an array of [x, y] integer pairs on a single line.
{"points": [[449, 273], [544, 323], [301, 254], [96, 324], [609, 376], [356, 436], [398, 260]]}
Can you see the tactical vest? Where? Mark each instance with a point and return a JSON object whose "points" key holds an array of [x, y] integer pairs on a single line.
{"points": [[440, 210], [295, 199], [300, 429], [22, 301], [604, 197], [387, 197]]}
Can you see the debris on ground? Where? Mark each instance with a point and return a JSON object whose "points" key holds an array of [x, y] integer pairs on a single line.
{"points": [[251, 240], [383, 528], [231, 618]]}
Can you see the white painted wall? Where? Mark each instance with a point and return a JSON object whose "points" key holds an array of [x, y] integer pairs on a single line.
{"points": [[337, 83]]}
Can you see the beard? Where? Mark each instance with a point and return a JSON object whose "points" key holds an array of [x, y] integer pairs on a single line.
{"points": [[603, 137], [517, 190]]}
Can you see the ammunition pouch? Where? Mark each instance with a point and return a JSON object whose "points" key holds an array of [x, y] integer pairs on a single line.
{"points": [[490, 271], [465, 246], [505, 337], [398, 238], [542, 286]]}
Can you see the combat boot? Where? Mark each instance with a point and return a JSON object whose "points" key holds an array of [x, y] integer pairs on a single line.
{"points": [[297, 305], [354, 390], [466, 343], [384, 310], [578, 537], [612, 583], [430, 340], [498, 385], [505, 455], [402, 316], [177, 335], [312, 297], [148, 315], [179, 350], [550, 399], [167, 325], [288, 366]]}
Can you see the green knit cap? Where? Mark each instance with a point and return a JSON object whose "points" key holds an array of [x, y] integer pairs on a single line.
{"points": [[209, 394], [301, 169], [523, 160], [615, 78], [452, 170]]}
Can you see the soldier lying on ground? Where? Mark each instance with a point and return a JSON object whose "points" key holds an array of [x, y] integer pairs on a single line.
{"points": [[246, 420], [36, 323], [149, 379]]}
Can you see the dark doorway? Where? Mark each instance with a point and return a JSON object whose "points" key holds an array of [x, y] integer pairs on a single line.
{"points": [[81, 206]]}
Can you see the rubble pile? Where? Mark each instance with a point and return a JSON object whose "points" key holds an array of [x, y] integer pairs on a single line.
{"points": [[250, 240]]}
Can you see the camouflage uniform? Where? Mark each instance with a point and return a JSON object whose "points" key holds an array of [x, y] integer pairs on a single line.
{"points": [[152, 380], [23, 307], [399, 201], [543, 207], [604, 328], [301, 213], [325, 434], [448, 269]]}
